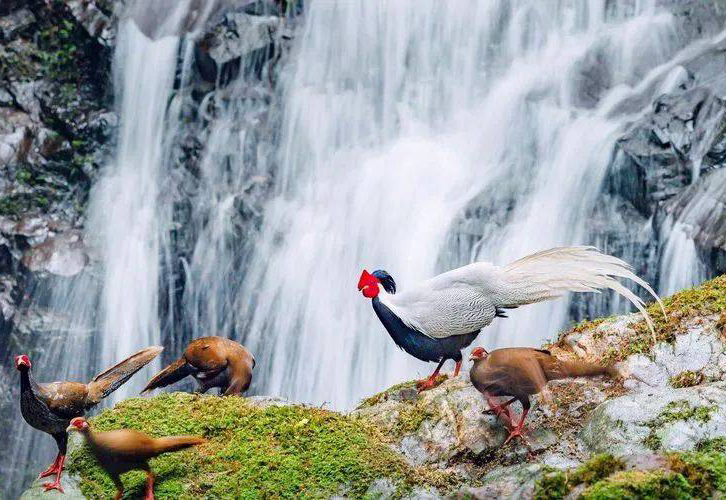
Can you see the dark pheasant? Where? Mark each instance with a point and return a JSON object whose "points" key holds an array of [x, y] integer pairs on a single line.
{"points": [[124, 450], [213, 362], [50, 407]]}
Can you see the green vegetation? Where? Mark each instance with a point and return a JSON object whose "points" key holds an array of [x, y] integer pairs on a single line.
{"points": [[717, 444], [687, 378], [395, 389], [673, 412], [683, 475], [707, 299], [18, 204], [558, 483], [272, 452], [640, 484]]}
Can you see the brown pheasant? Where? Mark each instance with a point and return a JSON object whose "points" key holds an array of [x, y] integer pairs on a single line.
{"points": [[520, 372], [124, 450], [50, 407], [213, 362]]}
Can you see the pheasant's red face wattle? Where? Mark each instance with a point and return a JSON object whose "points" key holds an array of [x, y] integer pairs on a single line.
{"points": [[79, 423], [478, 353], [22, 361], [368, 284]]}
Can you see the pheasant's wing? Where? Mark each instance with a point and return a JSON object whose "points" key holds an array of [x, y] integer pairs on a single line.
{"points": [[468, 298], [65, 399], [443, 312]]}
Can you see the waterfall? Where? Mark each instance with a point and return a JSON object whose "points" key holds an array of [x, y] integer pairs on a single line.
{"points": [[110, 311], [415, 136], [397, 115]]}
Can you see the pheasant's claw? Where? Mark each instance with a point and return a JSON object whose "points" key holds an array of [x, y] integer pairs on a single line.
{"points": [[514, 433], [53, 486]]}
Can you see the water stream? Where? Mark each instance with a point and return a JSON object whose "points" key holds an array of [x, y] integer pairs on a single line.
{"points": [[397, 119]]}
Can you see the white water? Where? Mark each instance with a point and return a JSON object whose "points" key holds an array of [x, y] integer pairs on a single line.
{"points": [[130, 216], [396, 115]]}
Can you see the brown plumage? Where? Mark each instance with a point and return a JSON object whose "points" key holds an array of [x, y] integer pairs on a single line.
{"points": [[213, 362], [123, 450], [520, 372], [50, 407]]}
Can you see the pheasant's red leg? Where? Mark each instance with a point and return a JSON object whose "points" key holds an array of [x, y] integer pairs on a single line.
{"points": [[53, 469], [56, 485], [149, 486], [423, 385], [501, 411], [458, 367], [517, 431]]}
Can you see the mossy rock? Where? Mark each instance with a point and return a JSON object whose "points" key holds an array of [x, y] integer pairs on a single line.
{"points": [[254, 452], [678, 475], [705, 300]]}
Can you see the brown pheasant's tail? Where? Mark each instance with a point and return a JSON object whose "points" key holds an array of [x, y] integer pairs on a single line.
{"points": [[106, 382], [567, 369], [172, 373], [175, 443]]}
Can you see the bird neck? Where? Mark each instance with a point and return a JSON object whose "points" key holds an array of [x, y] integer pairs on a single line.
{"points": [[27, 382]]}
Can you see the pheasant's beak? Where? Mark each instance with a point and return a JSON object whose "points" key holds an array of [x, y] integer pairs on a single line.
{"points": [[71, 428]]}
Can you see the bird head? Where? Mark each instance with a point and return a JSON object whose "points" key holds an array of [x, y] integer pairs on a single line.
{"points": [[478, 353], [78, 424], [22, 362], [368, 283]]}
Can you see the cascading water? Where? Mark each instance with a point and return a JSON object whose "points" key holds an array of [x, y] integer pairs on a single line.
{"points": [[398, 119], [111, 311], [396, 115]]}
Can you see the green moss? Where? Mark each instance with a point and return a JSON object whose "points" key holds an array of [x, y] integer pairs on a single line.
{"points": [[640, 484], [410, 418], [557, 484], [705, 471], [254, 452], [552, 485], [673, 412], [683, 475], [385, 395], [682, 410], [707, 299], [653, 441], [717, 444], [687, 378]]}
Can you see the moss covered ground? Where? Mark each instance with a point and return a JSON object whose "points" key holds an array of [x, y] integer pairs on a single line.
{"points": [[254, 452], [683, 475], [705, 300]]}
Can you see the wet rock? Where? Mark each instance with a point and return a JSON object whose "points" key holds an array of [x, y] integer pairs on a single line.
{"points": [[507, 482], [239, 34], [63, 255], [438, 424], [99, 24], [660, 419], [15, 22], [16, 135]]}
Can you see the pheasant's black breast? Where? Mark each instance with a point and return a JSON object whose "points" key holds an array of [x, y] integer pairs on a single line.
{"points": [[416, 343]]}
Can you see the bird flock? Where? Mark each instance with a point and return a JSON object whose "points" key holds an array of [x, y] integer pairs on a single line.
{"points": [[432, 321]]}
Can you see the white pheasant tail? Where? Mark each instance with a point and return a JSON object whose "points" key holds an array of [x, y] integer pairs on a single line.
{"points": [[467, 299]]}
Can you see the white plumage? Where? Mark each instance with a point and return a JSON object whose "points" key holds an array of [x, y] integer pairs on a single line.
{"points": [[465, 300]]}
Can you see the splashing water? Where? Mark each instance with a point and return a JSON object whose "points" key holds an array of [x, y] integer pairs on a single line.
{"points": [[397, 115], [398, 119]]}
